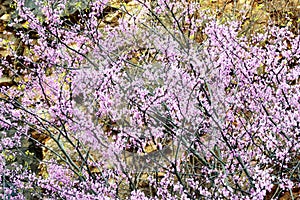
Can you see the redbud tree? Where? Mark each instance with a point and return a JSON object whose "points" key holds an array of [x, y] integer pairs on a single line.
{"points": [[168, 102]]}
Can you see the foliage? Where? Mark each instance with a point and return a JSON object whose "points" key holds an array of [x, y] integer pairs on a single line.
{"points": [[166, 103]]}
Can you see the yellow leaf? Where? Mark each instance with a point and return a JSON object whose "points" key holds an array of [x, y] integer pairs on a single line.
{"points": [[12, 5], [28, 153], [21, 87], [260, 6], [25, 25], [10, 158], [78, 5]]}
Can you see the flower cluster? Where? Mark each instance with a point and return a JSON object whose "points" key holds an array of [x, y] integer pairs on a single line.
{"points": [[144, 109]]}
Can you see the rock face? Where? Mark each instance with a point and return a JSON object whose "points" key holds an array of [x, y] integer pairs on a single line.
{"points": [[256, 14], [5, 81], [5, 7]]}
